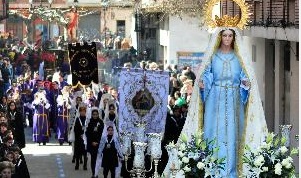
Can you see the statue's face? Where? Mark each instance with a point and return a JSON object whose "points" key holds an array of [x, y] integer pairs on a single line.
{"points": [[227, 37]]}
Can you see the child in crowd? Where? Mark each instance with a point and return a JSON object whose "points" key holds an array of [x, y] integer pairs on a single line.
{"points": [[21, 169], [108, 153]]}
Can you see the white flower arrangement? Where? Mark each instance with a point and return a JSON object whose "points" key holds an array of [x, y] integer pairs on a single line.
{"points": [[271, 160], [197, 157]]}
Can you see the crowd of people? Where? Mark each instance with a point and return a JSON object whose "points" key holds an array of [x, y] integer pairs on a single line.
{"points": [[85, 118]]}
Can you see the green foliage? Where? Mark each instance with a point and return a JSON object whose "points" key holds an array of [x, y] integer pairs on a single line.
{"points": [[272, 159]]}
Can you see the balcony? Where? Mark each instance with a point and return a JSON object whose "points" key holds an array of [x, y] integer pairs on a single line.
{"points": [[271, 13], [274, 19]]}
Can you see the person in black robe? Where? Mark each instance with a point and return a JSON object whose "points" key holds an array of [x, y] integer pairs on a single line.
{"points": [[109, 152], [93, 134], [79, 146], [15, 123], [54, 93], [173, 128]]}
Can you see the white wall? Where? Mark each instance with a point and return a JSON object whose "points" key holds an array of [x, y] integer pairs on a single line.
{"points": [[259, 65], [133, 34], [290, 34], [185, 35]]}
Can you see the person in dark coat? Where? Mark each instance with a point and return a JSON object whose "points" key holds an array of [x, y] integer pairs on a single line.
{"points": [[3, 130], [109, 152], [173, 128], [54, 93], [3, 104], [4, 147], [93, 134], [21, 169], [15, 123], [79, 146]]}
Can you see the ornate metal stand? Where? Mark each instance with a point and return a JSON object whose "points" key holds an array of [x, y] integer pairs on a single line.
{"points": [[154, 148], [156, 163], [285, 132], [172, 150]]}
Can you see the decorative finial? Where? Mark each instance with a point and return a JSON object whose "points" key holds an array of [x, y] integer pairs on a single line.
{"points": [[226, 20]]}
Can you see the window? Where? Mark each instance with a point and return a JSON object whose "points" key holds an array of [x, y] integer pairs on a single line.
{"points": [[121, 28]]}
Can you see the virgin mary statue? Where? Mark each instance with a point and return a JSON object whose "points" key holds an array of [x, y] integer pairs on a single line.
{"points": [[226, 104]]}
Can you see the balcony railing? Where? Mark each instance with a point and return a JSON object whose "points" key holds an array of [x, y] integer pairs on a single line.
{"points": [[271, 13], [274, 23]]}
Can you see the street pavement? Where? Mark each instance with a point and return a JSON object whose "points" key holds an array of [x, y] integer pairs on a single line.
{"points": [[52, 160]]}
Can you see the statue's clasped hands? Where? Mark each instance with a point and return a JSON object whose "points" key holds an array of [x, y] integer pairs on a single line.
{"points": [[246, 83], [201, 85]]}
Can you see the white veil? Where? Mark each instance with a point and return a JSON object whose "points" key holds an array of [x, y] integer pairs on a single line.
{"points": [[102, 145], [254, 116]]}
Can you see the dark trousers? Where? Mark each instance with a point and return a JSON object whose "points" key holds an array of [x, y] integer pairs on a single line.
{"points": [[106, 171], [93, 154], [78, 157]]}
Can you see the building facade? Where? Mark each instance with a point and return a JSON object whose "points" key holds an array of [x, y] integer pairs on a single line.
{"points": [[114, 17]]}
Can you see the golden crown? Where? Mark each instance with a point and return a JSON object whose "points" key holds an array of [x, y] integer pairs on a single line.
{"points": [[226, 20]]}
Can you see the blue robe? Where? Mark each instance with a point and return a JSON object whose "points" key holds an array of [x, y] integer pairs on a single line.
{"points": [[40, 124], [62, 123], [224, 99]]}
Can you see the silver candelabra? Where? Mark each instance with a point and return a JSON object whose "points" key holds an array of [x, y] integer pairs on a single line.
{"points": [[153, 145]]}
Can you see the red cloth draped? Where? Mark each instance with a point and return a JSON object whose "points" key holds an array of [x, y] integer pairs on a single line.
{"points": [[73, 23]]}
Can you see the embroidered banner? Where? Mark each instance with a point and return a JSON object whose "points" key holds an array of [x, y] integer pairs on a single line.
{"points": [[143, 97], [83, 62]]}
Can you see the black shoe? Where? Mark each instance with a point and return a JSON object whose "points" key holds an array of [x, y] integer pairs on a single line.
{"points": [[85, 168], [61, 143], [44, 143], [76, 167]]}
